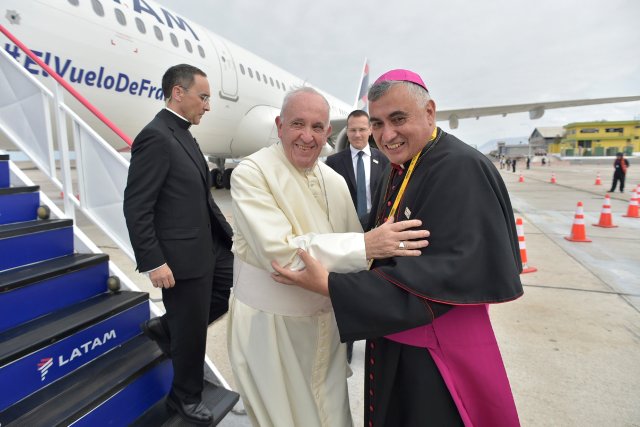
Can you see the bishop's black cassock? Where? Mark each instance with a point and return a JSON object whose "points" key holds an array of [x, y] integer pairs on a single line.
{"points": [[431, 356]]}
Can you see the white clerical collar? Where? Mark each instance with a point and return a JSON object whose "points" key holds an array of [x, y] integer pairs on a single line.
{"points": [[355, 151], [167, 108]]}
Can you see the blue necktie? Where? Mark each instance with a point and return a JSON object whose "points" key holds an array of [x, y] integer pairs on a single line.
{"points": [[361, 183]]}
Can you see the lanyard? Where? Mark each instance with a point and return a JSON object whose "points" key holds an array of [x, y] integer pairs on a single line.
{"points": [[405, 181]]}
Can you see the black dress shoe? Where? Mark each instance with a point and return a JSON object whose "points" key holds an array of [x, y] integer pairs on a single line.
{"points": [[155, 331], [195, 413]]}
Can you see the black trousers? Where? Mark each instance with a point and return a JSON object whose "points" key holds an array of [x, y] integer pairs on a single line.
{"points": [[192, 305], [618, 176]]}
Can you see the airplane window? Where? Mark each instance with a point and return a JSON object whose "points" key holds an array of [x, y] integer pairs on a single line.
{"points": [[250, 72], [277, 83], [201, 50], [264, 76], [242, 69], [140, 25], [74, 2], [120, 17], [174, 39], [158, 32], [271, 81], [97, 7], [187, 44], [258, 76]]}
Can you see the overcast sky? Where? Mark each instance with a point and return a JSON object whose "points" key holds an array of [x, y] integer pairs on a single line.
{"points": [[470, 53]]}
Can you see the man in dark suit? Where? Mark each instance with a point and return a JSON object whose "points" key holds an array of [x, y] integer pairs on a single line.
{"points": [[180, 237], [353, 166], [346, 162]]}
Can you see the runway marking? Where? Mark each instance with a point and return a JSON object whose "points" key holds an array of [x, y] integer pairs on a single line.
{"points": [[560, 287]]}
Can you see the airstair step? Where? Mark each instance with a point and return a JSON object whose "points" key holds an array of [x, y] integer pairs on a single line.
{"points": [[44, 350], [19, 204], [18, 190], [219, 400], [33, 241], [29, 292], [142, 393], [103, 392], [4, 170]]}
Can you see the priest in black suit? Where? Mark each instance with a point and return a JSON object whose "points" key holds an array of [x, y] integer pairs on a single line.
{"points": [[347, 163], [180, 237]]}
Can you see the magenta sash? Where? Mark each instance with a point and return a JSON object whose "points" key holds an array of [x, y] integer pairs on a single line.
{"points": [[466, 353]]}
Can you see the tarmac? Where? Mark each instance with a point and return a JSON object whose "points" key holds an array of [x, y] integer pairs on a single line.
{"points": [[571, 344]]}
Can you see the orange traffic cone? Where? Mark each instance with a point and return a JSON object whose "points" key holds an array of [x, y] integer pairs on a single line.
{"points": [[521, 178], [598, 180], [578, 231], [632, 210], [523, 248], [605, 216], [553, 178]]}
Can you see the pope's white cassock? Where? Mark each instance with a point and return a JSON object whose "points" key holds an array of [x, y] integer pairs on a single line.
{"points": [[284, 346]]}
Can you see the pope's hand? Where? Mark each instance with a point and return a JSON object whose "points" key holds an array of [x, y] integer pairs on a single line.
{"points": [[395, 239], [314, 277]]}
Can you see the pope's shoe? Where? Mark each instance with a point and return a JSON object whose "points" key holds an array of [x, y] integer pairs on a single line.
{"points": [[196, 413], [154, 330]]}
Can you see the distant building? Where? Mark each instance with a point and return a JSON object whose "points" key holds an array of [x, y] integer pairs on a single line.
{"points": [[542, 137], [513, 150], [599, 139]]}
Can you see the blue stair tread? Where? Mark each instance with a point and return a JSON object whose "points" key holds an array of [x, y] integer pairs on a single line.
{"points": [[19, 190], [21, 228], [43, 270], [46, 330], [69, 398], [219, 400]]}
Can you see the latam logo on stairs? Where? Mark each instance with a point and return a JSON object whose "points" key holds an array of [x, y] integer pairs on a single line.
{"points": [[81, 350], [31, 372], [44, 366]]}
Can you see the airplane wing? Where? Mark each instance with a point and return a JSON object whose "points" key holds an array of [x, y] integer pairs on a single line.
{"points": [[536, 110]]}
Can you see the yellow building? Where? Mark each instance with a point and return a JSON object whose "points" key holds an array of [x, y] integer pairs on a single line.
{"points": [[599, 139]]}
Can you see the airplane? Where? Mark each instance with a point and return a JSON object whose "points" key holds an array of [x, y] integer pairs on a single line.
{"points": [[114, 52]]}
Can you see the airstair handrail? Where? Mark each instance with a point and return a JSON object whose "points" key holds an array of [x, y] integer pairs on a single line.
{"points": [[67, 86]]}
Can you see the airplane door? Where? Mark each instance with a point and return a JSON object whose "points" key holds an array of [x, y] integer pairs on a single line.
{"points": [[228, 75]]}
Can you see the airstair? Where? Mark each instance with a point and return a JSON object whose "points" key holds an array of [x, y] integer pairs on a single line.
{"points": [[71, 349]]}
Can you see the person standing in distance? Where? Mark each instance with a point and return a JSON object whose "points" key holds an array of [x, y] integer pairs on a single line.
{"points": [[362, 172], [620, 165], [179, 235]]}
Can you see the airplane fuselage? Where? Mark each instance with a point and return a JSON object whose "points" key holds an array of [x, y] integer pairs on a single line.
{"points": [[114, 53]]}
